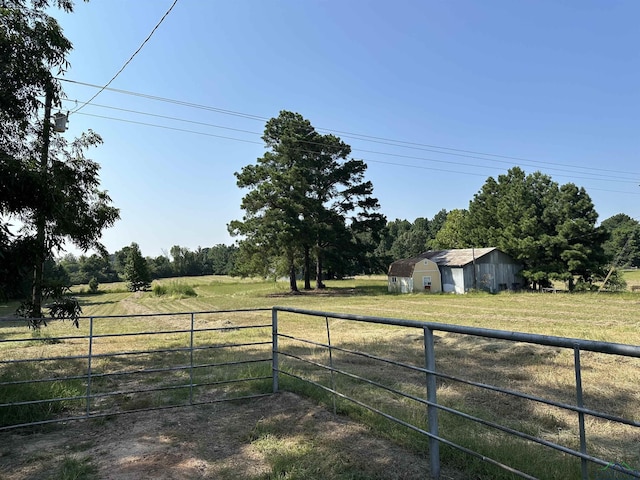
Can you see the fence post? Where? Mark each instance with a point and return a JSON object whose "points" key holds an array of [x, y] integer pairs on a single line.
{"points": [[89, 357], [274, 349], [191, 361], [580, 403], [333, 381], [432, 410]]}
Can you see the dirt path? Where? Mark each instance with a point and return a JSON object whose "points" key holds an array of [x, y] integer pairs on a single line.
{"points": [[223, 441]]}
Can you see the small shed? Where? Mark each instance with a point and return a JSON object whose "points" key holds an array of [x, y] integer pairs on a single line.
{"points": [[416, 274], [460, 270]]}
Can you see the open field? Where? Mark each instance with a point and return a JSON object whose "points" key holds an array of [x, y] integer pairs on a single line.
{"points": [[538, 371], [593, 316]]}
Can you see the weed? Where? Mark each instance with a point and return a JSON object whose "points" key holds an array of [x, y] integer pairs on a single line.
{"points": [[159, 289], [50, 397], [42, 337], [174, 289], [77, 469]]}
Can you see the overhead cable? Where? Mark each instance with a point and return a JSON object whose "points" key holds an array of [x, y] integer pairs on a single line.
{"points": [[309, 142], [374, 139], [368, 160], [130, 58]]}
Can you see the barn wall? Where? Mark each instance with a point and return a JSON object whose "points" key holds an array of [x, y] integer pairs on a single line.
{"points": [[488, 276], [426, 268], [401, 285], [493, 277], [452, 279], [469, 277]]}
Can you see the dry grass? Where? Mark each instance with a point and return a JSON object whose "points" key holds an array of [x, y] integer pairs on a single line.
{"points": [[610, 384]]}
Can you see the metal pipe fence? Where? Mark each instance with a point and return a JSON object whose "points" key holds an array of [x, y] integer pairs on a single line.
{"points": [[304, 364], [133, 363]]}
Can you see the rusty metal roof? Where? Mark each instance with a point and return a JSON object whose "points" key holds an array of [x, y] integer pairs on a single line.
{"points": [[446, 258], [404, 267], [457, 257]]}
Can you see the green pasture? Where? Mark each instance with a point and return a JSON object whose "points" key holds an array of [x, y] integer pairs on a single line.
{"points": [[609, 384]]}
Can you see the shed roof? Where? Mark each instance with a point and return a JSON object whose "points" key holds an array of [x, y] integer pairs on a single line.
{"points": [[445, 258], [457, 257], [404, 267]]}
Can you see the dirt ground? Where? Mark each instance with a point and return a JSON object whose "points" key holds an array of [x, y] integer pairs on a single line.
{"points": [[218, 441]]}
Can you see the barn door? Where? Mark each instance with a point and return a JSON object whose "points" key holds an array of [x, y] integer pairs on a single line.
{"points": [[458, 280]]}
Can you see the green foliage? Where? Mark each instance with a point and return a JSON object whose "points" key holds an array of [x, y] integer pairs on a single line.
{"points": [[56, 289], [136, 270], [93, 285], [216, 260], [452, 234], [548, 227], [160, 267], [32, 45], [66, 308], [175, 289], [403, 239], [45, 182], [80, 211], [182, 290], [615, 282], [159, 289], [14, 415], [623, 245], [84, 268], [305, 198]]}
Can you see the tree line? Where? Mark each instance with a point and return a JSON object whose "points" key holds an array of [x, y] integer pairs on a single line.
{"points": [[216, 260], [399, 239]]}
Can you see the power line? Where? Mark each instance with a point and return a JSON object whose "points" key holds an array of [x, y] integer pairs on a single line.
{"points": [[261, 143], [612, 178], [170, 100], [167, 117], [170, 128], [130, 58], [374, 139], [369, 160]]}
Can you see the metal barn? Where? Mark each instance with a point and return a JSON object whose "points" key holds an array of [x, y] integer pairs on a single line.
{"points": [[460, 270]]}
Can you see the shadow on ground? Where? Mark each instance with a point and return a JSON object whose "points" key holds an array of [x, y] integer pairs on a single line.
{"points": [[253, 440]]}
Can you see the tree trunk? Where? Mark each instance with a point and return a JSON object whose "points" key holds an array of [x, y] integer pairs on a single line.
{"points": [[319, 284], [307, 268], [38, 271], [293, 285]]}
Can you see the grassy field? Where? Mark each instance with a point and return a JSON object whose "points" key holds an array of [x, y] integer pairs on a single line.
{"points": [[593, 316], [608, 385]]}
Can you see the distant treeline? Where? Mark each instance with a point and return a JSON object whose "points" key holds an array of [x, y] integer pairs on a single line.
{"points": [[400, 239], [216, 260]]}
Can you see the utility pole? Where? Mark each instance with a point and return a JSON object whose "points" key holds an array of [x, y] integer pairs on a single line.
{"points": [[615, 263], [475, 275], [38, 271]]}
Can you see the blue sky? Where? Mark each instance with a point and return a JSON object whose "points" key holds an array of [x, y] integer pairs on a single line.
{"points": [[547, 85]]}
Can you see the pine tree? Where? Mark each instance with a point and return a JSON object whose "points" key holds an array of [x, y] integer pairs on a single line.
{"points": [[136, 270]]}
